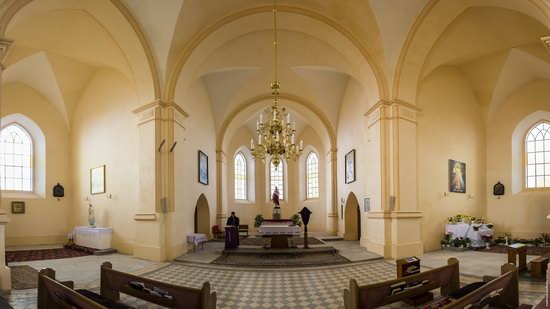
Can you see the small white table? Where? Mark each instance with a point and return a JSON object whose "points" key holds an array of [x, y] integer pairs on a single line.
{"points": [[93, 237], [195, 239]]}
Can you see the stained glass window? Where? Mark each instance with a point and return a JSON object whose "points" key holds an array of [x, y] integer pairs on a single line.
{"points": [[276, 179]]}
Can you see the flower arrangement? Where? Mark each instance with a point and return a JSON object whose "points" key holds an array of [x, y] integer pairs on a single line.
{"points": [[258, 220], [296, 220], [462, 218], [446, 240]]}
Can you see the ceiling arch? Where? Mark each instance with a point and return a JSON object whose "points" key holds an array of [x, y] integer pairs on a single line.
{"points": [[138, 60], [436, 17], [238, 19]]}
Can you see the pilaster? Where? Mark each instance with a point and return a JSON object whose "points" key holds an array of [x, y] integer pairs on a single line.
{"points": [[160, 128], [221, 205], [332, 196], [394, 222]]}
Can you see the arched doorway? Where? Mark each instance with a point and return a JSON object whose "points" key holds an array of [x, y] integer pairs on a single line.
{"points": [[202, 216], [352, 218]]}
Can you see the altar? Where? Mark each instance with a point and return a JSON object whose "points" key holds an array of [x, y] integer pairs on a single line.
{"points": [[279, 230], [93, 237], [467, 231]]}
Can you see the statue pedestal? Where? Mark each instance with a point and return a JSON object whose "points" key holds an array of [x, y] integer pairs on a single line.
{"points": [[276, 213]]}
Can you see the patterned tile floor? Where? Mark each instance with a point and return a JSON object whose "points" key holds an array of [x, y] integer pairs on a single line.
{"points": [[238, 287]]}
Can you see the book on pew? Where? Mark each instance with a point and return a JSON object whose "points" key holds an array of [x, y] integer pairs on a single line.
{"points": [[404, 286], [140, 286]]}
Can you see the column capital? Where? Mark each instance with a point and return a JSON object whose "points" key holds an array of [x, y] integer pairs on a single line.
{"points": [[5, 46], [332, 153], [546, 42], [160, 110], [396, 108], [220, 155]]}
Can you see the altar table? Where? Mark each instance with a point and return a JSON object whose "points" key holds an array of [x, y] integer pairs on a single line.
{"points": [[93, 237], [279, 231], [195, 239], [466, 230]]}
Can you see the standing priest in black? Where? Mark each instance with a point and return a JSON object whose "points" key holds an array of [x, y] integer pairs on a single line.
{"points": [[233, 220]]}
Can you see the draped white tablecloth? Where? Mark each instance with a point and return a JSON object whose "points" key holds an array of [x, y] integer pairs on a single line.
{"points": [[279, 230], [93, 237], [196, 238], [465, 230]]}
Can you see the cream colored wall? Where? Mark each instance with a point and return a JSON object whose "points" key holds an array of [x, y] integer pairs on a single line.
{"points": [[199, 134], [521, 213], [46, 220], [295, 184], [351, 132], [450, 126], [105, 133], [295, 195]]}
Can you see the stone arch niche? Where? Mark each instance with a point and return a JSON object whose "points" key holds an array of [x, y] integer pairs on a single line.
{"points": [[202, 216], [352, 218]]}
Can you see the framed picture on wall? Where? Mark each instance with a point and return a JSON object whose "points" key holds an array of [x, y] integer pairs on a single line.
{"points": [[350, 166], [97, 180], [203, 168], [457, 176], [17, 207]]}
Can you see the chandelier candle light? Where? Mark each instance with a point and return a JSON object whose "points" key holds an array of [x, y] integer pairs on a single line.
{"points": [[277, 136]]}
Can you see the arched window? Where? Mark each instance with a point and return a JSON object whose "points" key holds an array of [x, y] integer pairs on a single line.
{"points": [[537, 154], [240, 177], [15, 159], [312, 175], [276, 179]]}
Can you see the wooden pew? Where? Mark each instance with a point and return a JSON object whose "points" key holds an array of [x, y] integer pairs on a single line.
{"points": [[506, 285], [115, 282], [379, 294], [53, 294], [539, 266]]}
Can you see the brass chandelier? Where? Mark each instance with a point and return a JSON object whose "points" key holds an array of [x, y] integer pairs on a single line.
{"points": [[277, 136]]}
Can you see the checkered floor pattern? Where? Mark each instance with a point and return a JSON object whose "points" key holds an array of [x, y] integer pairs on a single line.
{"points": [[281, 288]]}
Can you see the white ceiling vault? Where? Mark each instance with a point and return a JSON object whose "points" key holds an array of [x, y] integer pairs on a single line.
{"points": [[225, 45]]}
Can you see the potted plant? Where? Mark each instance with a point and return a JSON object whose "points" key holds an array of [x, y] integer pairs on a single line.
{"points": [[487, 239], [545, 237], [456, 242], [489, 226], [467, 242], [475, 227], [258, 220], [296, 220]]}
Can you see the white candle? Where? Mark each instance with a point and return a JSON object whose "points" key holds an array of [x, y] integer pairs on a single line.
{"points": [[287, 118], [294, 125], [259, 139], [292, 139], [261, 118], [301, 144], [257, 125], [277, 136], [251, 143]]}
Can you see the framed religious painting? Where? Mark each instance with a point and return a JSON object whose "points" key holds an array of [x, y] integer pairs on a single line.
{"points": [[349, 163], [203, 168], [97, 180], [457, 176]]}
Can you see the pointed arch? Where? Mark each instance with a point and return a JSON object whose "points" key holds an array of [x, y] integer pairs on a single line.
{"points": [[240, 175], [537, 156], [312, 175]]}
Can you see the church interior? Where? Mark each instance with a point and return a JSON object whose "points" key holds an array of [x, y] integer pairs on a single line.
{"points": [[397, 131]]}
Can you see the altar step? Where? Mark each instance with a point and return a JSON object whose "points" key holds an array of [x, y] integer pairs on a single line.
{"points": [[286, 251]]}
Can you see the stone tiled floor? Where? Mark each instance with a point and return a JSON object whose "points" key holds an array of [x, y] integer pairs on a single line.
{"points": [[239, 287]]}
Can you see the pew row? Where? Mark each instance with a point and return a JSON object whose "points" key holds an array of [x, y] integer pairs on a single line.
{"points": [[383, 293], [53, 294], [499, 292]]}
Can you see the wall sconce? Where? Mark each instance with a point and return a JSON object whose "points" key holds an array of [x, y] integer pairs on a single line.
{"points": [[110, 196], [470, 196], [87, 198], [342, 200], [446, 193]]}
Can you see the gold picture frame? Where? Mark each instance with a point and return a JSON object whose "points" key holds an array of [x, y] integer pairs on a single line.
{"points": [[97, 180], [17, 207]]}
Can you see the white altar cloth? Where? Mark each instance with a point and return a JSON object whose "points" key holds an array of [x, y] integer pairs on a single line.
{"points": [[93, 237], [279, 230], [466, 230], [196, 238]]}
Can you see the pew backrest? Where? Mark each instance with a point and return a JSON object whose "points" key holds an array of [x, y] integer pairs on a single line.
{"points": [[114, 282], [53, 294], [383, 293]]}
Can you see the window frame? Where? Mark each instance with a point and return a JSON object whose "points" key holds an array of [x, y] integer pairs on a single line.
{"points": [[525, 155], [245, 177], [307, 176], [270, 191], [33, 163]]}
